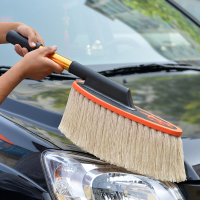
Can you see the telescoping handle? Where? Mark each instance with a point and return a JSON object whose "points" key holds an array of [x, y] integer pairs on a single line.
{"points": [[16, 38], [92, 79]]}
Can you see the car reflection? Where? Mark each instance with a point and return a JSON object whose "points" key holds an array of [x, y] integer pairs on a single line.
{"points": [[25, 180], [172, 96], [171, 35]]}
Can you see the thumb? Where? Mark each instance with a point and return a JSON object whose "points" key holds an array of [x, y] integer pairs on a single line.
{"points": [[32, 39], [28, 32]]}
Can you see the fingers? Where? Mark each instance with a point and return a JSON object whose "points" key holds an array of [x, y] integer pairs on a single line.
{"points": [[55, 67], [48, 50], [24, 51], [21, 51], [39, 39], [32, 38], [45, 51], [31, 34], [18, 49]]}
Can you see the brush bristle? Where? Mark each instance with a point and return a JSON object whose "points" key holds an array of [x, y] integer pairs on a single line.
{"points": [[121, 141]]}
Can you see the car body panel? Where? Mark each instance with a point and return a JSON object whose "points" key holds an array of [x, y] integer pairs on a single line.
{"points": [[37, 123]]}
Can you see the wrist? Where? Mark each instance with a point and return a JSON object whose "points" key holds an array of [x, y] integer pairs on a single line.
{"points": [[12, 25], [20, 69], [5, 27]]}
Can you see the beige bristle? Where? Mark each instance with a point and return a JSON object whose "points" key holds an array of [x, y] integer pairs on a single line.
{"points": [[159, 154], [139, 148], [89, 129], [83, 126], [166, 155], [99, 132], [181, 161], [146, 150], [118, 140], [92, 140], [172, 159], [126, 142], [111, 126], [104, 146], [121, 141], [72, 101], [130, 163], [77, 117]]}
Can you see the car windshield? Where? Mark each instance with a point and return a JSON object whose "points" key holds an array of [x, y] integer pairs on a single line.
{"points": [[96, 32], [192, 6]]}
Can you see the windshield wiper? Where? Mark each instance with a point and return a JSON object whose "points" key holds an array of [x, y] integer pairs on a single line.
{"points": [[53, 76], [149, 68], [61, 77], [135, 69], [4, 69]]}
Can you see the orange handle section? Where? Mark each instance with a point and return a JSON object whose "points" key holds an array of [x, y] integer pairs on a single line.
{"points": [[62, 61]]}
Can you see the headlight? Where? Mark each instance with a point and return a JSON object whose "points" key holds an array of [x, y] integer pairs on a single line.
{"points": [[78, 177]]}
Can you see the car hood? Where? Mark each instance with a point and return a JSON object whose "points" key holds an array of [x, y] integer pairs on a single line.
{"points": [[30, 116]]}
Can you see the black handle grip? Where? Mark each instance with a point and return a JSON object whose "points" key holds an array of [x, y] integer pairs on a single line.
{"points": [[102, 84], [16, 38]]}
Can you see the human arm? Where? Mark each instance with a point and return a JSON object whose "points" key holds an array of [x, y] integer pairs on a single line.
{"points": [[34, 65]]}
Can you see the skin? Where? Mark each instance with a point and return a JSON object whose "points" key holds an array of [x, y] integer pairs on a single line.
{"points": [[34, 65]]}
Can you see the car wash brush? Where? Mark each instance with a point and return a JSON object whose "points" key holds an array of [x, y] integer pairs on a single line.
{"points": [[100, 117]]}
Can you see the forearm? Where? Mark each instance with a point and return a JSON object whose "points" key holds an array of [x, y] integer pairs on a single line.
{"points": [[5, 27], [10, 80]]}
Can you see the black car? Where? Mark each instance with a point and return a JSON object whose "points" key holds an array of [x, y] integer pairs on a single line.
{"points": [[151, 47]]}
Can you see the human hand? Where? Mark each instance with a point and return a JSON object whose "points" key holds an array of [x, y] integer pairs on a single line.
{"points": [[36, 65], [32, 36]]}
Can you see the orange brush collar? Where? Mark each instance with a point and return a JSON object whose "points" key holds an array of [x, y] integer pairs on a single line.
{"points": [[147, 118]]}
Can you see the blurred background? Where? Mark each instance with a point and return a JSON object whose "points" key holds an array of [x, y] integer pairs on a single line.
{"points": [[192, 6]]}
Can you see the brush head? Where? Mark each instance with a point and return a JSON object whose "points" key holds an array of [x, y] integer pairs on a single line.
{"points": [[134, 113], [121, 141]]}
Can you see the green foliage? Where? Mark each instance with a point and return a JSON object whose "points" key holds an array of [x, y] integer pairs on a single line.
{"points": [[161, 10], [174, 96], [55, 135], [62, 138], [60, 96]]}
